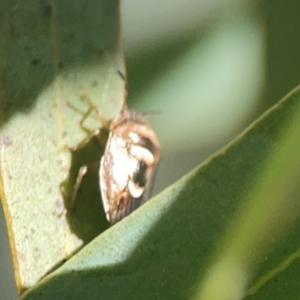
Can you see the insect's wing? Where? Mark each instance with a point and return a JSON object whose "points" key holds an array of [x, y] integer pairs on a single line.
{"points": [[115, 172]]}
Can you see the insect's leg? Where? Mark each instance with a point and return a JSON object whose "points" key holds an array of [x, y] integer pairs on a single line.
{"points": [[81, 173], [81, 123], [93, 107], [84, 116]]}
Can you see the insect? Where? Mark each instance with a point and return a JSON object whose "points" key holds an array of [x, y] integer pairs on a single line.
{"points": [[128, 165]]}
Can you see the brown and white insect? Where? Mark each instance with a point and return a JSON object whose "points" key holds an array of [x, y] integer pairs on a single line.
{"points": [[128, 166]]}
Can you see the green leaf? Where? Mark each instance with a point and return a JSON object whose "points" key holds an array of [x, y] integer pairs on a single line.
{"points": [[55, 55], [207, 234]]}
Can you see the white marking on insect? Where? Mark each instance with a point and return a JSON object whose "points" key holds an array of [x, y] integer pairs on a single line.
{"points": [[134, 137], [143, 154], [135, 190]]}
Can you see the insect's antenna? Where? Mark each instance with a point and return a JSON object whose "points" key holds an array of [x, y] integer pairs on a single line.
{"points": [[151, 113], [122, 75]]}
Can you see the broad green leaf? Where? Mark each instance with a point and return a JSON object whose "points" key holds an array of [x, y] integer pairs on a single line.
{"points": [[271, 206], [189, 231], [55, 57]]}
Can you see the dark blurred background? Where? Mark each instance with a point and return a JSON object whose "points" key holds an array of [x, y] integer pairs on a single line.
{"points": [[208, 68]]}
